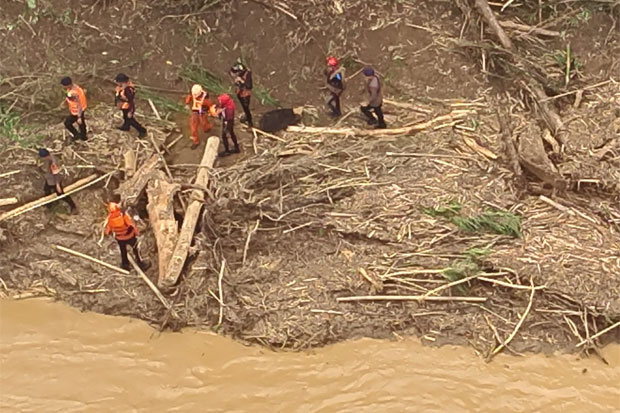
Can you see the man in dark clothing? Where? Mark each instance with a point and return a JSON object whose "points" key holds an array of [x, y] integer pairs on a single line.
{"points": [[125, 94], [76, 101], [335, 84], [242, 77], [53, 178], [375, 99], [227, 113]]}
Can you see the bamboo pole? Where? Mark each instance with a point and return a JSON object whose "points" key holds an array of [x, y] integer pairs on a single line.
{"points": [[600, 333], [7, 201], [4, 175], [191, 216], [91, 259], [70, 189], [409, 298], [153, 287]]}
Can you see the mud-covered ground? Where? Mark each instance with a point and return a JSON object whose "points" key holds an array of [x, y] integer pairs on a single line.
{"points": [[308, 242]]}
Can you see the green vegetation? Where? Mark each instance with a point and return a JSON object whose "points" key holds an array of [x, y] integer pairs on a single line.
{"points": [[264, 96], [466, 267], [498, 222], [163, 103], [196, 74], [12, 132]]}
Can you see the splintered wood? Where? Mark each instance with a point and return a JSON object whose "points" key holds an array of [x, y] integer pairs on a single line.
{"points": [[161, 217], [175, 267], [131, 189]]}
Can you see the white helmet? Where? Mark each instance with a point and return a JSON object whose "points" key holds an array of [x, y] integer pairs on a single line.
{"points": [[197, 90]]}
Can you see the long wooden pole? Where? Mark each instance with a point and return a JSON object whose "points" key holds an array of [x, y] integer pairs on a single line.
{"points": [[91, 259], [70, 189], [410, 298], [191, 216], [153, 287]]}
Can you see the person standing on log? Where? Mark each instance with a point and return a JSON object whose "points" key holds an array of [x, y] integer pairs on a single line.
{"points": [[125, 232], [335, 84], [227, 113], [242, 77], [375, 99], [76, 101], [53, 178], [201, 106], [125, 95]]}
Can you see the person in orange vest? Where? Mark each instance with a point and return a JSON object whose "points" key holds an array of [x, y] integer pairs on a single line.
{"points": [[125, 94], [125, 233], [242, 77], [76, 101], [226, 112], [53, 178], [201, 107]]}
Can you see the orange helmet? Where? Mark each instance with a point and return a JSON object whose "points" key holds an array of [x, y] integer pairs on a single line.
{"points": [[113, 207], [332, 61]]}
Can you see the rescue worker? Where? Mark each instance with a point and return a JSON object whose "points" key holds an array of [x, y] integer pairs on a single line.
{"points": [[226, 112], [375, 99], [53, 178], [125, 95], [201, 107], [125, 233], [242, 77], [76, 101], [335, 84]]}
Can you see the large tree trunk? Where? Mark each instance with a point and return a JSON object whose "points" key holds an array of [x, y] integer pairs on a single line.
{"points": [[131, 189], [161, 216], [191, 216]]}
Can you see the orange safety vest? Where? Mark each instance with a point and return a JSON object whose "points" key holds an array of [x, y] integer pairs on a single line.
{"points": [[120, 224], [198, 102], [76, 99], [121, 94]]}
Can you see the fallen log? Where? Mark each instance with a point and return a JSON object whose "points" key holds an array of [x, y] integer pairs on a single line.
{"points": [[192, 213], [70, 189], [533, 158], [160, 194], [452, 118], [505, 133], [529, 29], [131, 189], [91, 259], [404, 105], [130, 163], [549, 115], [7, 201], [485, 10]]}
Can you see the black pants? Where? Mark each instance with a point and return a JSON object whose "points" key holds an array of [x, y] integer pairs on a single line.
{"points": [[70, 121], [334, 104], [52, 188], [228, 129], [128, 122], [245, 104], [122, 244], [367, 110]]}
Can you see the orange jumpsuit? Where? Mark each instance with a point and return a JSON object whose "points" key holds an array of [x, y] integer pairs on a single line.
{"points": [[199, 119]]}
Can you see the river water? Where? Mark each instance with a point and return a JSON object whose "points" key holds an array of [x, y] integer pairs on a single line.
{"points": [[55, 359]]}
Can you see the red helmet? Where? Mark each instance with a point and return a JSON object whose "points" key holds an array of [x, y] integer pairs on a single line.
{"points": [[224, 99], [332, 61]]}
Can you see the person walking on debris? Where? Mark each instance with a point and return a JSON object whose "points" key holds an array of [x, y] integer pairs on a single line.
{"points": [[242, 77], [125, 233], [53, 178], [335, 84], [76, 101], [125, 94], [201, 106], [375, 100], [227, 113]]}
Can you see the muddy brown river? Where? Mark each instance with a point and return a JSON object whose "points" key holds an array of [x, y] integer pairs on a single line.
{"points": [[55, 359]]}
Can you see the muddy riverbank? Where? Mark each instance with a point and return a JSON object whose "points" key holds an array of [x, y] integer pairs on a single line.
{"points": [[54, 358]]}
